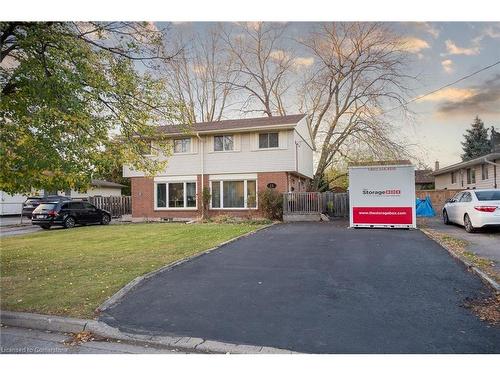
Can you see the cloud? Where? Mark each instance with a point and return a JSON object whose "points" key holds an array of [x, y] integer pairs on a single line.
{"points": [[428, 28], [492, 31], [303, 61], [447, 65], [413, 44], [452, 95], [299, 62], [453, 49], [279, 54], [480, 99], [199, 69]]}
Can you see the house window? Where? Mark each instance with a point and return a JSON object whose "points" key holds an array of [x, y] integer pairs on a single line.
{"points": [[268, 140], [223, 143], [234, 194], [175, 195], [182, 145], [216, 194], [471, 176], [484, 171], [453, 178]]}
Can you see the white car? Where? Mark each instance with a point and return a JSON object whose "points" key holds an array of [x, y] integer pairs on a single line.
{"points": [[473, 209]]}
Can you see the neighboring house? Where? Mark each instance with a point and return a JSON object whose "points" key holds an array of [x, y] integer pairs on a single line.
{"points": [[424, 180], [479, 173], [100, 188], [235, 159], [12, 204]]}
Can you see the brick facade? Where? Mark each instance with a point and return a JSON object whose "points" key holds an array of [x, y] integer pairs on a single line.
{"points": [[143, 196]]}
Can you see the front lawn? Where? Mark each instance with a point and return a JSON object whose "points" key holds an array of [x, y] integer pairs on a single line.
{"points": [[71, 272]]}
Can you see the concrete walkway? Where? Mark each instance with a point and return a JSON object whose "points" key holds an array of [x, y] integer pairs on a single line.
{"points": [[317, 288]]}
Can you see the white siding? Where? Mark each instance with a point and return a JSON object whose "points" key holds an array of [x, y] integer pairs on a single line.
{"points": [[443, 181], [246, 157], [93, 191]]}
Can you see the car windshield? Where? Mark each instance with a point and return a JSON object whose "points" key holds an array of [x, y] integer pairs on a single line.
{"points": [[45, 207], [31, 201], [489, 195]]}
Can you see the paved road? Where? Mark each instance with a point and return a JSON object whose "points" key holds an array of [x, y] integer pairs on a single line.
{"points": [[319, 288], [27, 341], [485, 243]]}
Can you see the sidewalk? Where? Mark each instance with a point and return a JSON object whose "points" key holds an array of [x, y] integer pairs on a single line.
{"points": [[7, 221], [15, 340]]}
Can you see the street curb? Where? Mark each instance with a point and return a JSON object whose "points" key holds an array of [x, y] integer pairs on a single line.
{"points": [[72, 325], [487, 280], [116, 298]]}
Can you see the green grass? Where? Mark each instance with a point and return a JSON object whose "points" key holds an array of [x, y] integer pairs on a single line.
{"points": [[71, 272]]}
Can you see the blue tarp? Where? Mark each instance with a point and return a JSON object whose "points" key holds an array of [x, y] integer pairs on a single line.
{"points": [[424, 207]]}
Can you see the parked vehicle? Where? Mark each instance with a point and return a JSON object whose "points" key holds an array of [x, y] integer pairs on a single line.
{"points": [[68, 214], [32, 202], [473, 209]]}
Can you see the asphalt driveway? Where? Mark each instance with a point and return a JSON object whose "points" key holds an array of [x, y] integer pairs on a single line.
{"points": [[317, 288]]}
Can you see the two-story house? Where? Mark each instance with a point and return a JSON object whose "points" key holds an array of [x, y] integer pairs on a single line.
{"points": [[235, 159]]}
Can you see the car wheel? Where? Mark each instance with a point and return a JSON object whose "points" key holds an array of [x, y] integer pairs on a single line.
{"points": [[45, 226], [69, 222], [468, 224], [105, 219], [446, 220]]}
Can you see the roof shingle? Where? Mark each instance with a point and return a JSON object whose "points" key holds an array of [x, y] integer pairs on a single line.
{"points": [[233, 124]]}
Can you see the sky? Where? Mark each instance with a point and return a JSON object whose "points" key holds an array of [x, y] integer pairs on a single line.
{"points": [[441, 53]]}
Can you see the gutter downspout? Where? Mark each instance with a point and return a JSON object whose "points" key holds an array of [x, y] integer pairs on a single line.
{"points": [[202, 165]]}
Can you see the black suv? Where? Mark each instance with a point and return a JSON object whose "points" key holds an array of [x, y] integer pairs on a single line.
{"points": [[68, 214], [32, 202]]}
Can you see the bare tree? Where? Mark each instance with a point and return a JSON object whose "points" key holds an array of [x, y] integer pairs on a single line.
{"points": [[359, 68], [262, 65], [201, 76]]}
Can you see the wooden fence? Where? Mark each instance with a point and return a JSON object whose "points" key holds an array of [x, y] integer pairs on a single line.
{"points": [[315, 203], [336, 204], [118, 205], [438, 197]]}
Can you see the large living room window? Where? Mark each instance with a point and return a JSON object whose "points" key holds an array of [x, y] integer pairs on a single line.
{"points": [[234, 194], [268, 140], [175, 195], [223, 143]]}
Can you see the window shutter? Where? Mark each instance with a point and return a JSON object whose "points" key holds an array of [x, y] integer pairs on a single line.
{"points": [[194, 145], [283, 139], [237, 142], [254, 141]]}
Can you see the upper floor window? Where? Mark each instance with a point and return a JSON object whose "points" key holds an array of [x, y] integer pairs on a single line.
{"points": [[223, 143], [182, 145], [268, 140], [484, 171]]}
